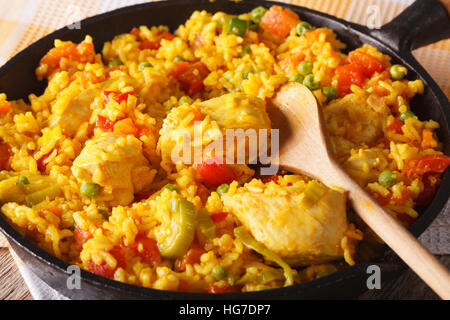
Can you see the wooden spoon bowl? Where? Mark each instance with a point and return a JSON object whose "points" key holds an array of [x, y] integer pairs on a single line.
{"points": [[304, 148]]}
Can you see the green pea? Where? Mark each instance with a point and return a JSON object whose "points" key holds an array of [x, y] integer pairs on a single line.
{"points": [[387, 179], [238, 27], [22, 180], [178, 59], [222, 189], [245, 49], [115, 63], [73, 227], [330, 92], [303, 27], [90, 190], [219, 273], [305, 67], [257, 14], [104, 213], [171, 187], [145, 65], [310, 83], [398, 71], [298, 78], [406, 115], [185, 99]]}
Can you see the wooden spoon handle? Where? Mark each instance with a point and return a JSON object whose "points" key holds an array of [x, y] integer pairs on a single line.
{"points": [[404, 244]]}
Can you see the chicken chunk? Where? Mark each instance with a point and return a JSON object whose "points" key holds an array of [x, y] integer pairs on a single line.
{"points": [[303, 223], [237, 111], [364, 165], [71, 115], [116, 163], [355, 119]]}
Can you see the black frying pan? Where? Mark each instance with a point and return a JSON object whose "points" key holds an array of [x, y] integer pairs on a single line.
{"points": [[424, 22]]}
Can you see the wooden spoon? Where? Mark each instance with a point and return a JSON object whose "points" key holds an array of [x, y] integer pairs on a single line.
{"points": [[304, 148]]}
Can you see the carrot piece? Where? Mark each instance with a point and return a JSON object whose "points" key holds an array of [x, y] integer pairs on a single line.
{"points": [[125, 126], [279, 21], [5, 106], [80, 237], [347, 75]]}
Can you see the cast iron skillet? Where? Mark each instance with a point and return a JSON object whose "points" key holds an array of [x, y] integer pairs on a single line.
{"points": [[424, 22]]}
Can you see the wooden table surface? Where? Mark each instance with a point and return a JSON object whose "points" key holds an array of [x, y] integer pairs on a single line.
{"points": [[407, 286]]}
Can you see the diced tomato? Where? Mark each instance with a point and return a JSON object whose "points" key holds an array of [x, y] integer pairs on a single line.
{"points": [[191, 257], [404, 197], [347, 75], [83, 52], [147, 44], [80, 237], [135, 32], [149, 253], [220, 216], [104, 123], [430, 163], [225, 289], [118, 97], [154, 45], [203, 192], [167, 36], [379, 198], [213, 173], [430, 183], [118, 253], [101, 270], [433, 163], [123, 96], [395, 125], [106, 96], [192, 77], [368, 63], [125, 126], [42, 161], [273, 178], [5, 106], [279, 21], [180, 67], [183, 286], [5, 154]]}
